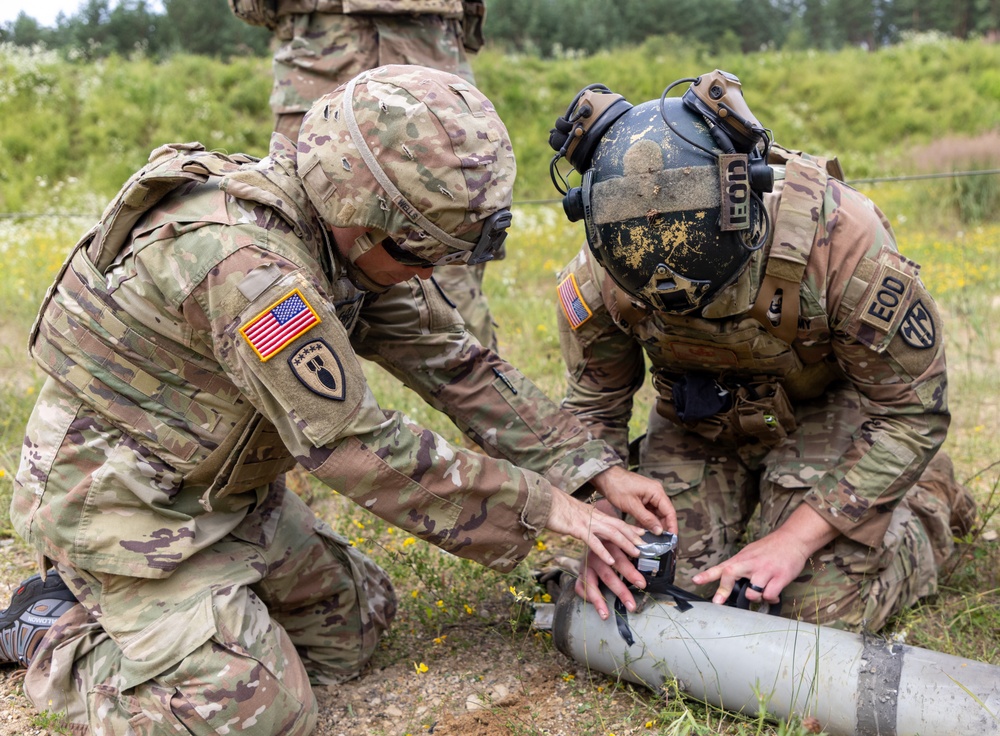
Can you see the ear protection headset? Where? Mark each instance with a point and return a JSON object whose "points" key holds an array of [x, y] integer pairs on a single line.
{"points": [[575, 136], [717, 97]]}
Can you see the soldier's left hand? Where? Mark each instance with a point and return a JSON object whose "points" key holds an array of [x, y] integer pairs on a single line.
{"points": [[640, 497], [773, 561]]}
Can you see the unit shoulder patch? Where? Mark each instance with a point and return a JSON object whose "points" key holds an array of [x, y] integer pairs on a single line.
{"points": [[917, 329], [288, 318], [318, 368], [575, 308], [883, 305]]}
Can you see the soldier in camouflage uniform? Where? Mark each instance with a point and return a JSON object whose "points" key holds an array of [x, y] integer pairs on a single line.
{"points": [[797, 358], [320, 44], [204, 337]]}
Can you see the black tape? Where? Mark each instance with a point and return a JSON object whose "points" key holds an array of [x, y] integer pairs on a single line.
{"points": [[878, 687]]}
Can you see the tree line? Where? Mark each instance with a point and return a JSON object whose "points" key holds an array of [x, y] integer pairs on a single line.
{"points": [[541, 27]]}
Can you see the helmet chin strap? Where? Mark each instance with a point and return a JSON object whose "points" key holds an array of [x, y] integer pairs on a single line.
{"points": [[362, 244], [360, 279]]}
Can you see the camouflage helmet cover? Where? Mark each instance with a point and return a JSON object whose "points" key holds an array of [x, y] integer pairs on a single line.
{"points": [[434, 138]]}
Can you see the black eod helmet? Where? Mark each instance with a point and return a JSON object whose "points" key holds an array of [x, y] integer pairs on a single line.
{"points": [[670, 195]]}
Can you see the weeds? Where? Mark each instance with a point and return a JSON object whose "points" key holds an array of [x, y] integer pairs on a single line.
{"points": [[446, 602]]}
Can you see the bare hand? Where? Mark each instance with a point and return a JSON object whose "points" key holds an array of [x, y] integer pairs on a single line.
{"points": [[594, 571], [771, 562], [640, 497], [593, 527]]}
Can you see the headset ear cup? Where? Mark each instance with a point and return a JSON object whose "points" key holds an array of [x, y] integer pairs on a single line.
{"points": [[573, 204]]}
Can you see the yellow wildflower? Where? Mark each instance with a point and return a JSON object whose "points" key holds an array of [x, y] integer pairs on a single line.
{"points": [[420, 668]]}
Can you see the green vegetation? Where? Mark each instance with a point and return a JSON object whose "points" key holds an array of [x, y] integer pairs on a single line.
{"points": [[71, 133], [549, 28]]}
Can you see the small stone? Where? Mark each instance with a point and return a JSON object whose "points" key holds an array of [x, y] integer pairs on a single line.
{"points": [[393, 712], [472, 702]]}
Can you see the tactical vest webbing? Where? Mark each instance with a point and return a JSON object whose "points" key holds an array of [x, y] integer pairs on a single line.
{"points": [[137, 380]]}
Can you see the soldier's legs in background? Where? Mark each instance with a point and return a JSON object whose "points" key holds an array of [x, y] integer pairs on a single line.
{"points": [[463, 286], [711, 489], [847, 584], [201, 652], [318, 52]]}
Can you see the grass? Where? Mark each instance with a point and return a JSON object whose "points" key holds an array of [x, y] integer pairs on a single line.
{"points": [[452, 601], [446, 599]]}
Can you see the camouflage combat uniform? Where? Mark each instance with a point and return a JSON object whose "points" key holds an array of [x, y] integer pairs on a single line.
{"points": [[840, 406], [321, 44], [196, 350]]}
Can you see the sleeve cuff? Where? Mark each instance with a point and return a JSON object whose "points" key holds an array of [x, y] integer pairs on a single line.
{"points": [[537, 506], [576, 468], [867, 527]]}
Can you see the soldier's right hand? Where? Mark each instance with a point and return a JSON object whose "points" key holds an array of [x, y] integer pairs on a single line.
{"points": [[638, 496]]}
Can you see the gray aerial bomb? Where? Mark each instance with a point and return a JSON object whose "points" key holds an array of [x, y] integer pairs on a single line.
{"points": [[744, 661]]}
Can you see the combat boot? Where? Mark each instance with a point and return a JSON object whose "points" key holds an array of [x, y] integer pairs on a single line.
{"points": [[34, 608]]}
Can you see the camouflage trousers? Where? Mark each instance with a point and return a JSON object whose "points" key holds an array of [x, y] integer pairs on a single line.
{"points": [[318, 52], [228, 643], [727, 494]]}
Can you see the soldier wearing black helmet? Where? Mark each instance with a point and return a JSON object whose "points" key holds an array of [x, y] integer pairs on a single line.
{"points": [[797, 358]]}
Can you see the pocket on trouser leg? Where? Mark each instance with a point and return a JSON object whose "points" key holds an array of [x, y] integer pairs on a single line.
{"points": [[848, 585], [349, 626], [247, 678], [217, 691]]}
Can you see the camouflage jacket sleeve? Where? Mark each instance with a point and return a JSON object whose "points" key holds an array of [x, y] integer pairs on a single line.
{"points": [[887, 338], [415, 334], [268, 321], [605, 366]]}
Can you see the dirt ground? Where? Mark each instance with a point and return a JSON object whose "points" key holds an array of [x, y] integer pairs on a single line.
{"points": [[483, 679]]}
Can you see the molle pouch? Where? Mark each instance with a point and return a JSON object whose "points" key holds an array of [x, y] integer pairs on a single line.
{"points": [[447, 8], [473, 17], [763, 411], [711, 428], [256, 12], [253, 456]]}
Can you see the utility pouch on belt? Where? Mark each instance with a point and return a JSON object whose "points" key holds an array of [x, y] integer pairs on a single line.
{"points": [[757, 409], [762, 410]]}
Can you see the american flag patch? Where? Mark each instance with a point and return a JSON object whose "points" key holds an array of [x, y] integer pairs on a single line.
{"points": [[577, 311], [279, 324]]}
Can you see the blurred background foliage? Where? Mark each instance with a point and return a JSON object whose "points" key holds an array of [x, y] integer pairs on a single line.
{"points": [[543, 27], [73, 131]]}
